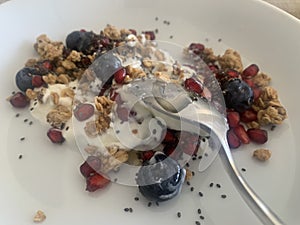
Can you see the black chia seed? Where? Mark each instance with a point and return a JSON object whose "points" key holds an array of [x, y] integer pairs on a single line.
{"points": [[156, 18], [243, 169], [200, 157], [25, 120], [130, 210], [157, 203], [126, 209], [30, 123], [136, 198], [220, 39], [187, 165], [223, 196], [188, 183], [200, 194], [178, 214], [192, 189], [199, 211], [156, 31], [211, 184], [273, 127], [20, 156], [218, 185], [154, 131], [31, 109], [13, 92], [22, 138], [18, 114], [117, 131], [197, 223], [171, 37], [193, 173], [202, 217], [35, 103], [194, 158], [205, 154], [67, 128], [149, 204]]}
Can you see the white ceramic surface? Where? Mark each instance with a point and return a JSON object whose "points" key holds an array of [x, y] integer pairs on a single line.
{"points": [[47, 177]]}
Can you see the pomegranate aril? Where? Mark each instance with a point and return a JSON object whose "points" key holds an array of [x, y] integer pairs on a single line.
{"points": [[123, 113], [233, 119], [55, 136], [84, 111], [249, 82], [147, 155], [149, 35], [37, 81], [90, 166], [241, 133], [193, 85], [257, 135], [170, 137], [214, 68], [256, 92], [231, 73], [248, 116], [232, 139], [120, 75], [196, 48], [19, 100], [250, 71], [95, 182], [133, 31]]}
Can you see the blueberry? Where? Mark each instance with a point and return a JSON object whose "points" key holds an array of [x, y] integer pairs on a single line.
{"points": [[238, 95], [82, 41], [160, 180], [24, 78]]}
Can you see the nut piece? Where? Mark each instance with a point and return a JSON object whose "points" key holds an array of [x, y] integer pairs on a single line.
{"points": [[262, 154], [31, 94], [188, 175], [231, 59], [262, 80], [39, 217], [112, 32], [49, 79], [59, 116]]}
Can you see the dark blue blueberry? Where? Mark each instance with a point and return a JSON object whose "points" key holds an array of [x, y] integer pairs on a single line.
{"points": [[238, 95], [24, 78], [162, 179], [82, 41]]}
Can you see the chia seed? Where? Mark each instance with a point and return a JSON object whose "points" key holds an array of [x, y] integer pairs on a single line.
{"points": [[156, 31], [200, 157], [220, 39], [218, 185], [243, 169], [223, 196], [197, 223], [273, 127], [18, 114], [202, 217], [187, 165], [67, 128], [194, 158], [31, 109], [126, 209], [130, 210], [178, 214], [188, 183], [22, 138], [205, 154], [171, 37], [156, 18], [20, 156], [199, 211], [136, 198], [211, 184], [35, 103], [193, 173], [30, 123], [149, 204], [192, 189], [200, 194], [25, 120], [157, 203]]}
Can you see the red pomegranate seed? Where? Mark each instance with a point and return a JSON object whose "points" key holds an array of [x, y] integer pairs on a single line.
{"points": [[90, 166], [231, 73], [147, 155], [19, 100], [241, 133], [248, 116], [95, 182], [84, 111], [250, 71], [256, 92], [233, 119], [133, 31], [196, 48], [123, 113], [47, 65], [249, 82], [214, 68], [104, 41], [37, 81], [120, 75], [55, 136], [150, 35], [193, 85], [233, 140], [170, 137], [257, 135]]}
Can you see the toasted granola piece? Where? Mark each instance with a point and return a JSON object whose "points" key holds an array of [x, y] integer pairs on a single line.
{"points": [[48, 49], [262, 154], [262, 80], [39, 216], [112, 32], [231, 60], [59, 116]]}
